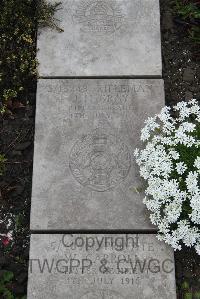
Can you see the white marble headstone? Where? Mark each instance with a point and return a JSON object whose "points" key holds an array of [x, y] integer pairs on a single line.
{"points": [[100, 266], [85, 175], [102, 38]]}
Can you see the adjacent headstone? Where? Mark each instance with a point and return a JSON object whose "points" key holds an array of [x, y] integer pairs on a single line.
{"points": [[85, 176], [100, 266], [103, 38]]}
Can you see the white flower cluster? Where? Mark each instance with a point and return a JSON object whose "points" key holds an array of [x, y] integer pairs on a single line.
{"points": [[170, 163]]}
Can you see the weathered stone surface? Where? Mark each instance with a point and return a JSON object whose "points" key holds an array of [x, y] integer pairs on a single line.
{"points": [[85, 176], [100, 266], [103, 38]]}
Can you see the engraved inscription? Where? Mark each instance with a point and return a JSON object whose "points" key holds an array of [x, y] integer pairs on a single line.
{"points": [[102, 294], [99, 160], [99, 16]]}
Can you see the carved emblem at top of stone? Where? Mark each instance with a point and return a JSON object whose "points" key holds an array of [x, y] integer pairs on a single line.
{"points": [[99, 16]]}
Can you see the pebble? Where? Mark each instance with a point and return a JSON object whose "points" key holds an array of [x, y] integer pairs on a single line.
{"points": [[23, 146], [188, 96], [189, 74], [15, 153], [168, 21], [22, 277]]}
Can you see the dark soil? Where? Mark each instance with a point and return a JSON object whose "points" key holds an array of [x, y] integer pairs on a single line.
{"points": [[16, 141], [181, 73], [181, 58]]}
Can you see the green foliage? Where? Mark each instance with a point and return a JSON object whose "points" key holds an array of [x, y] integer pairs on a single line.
{"points": [[189, 11], [197, 295], [18, 65], [185, 285], [4, 280], [187, 295], [187, 291], [7, 278], [18, 221], [45, 14], [2, 164]]}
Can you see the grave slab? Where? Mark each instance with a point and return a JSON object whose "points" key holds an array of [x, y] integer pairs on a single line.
{"points": [[84, 174], [100, 266], [102, 38]]}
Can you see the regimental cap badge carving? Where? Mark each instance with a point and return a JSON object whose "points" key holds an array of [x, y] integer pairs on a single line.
{"points": [[99, 160], [99, 16]]}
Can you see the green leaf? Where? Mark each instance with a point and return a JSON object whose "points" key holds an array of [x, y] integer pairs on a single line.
{"points": [[197, 295], [137, 189], [187, 296], [7, 277], [6, 293], [185, 285]]}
